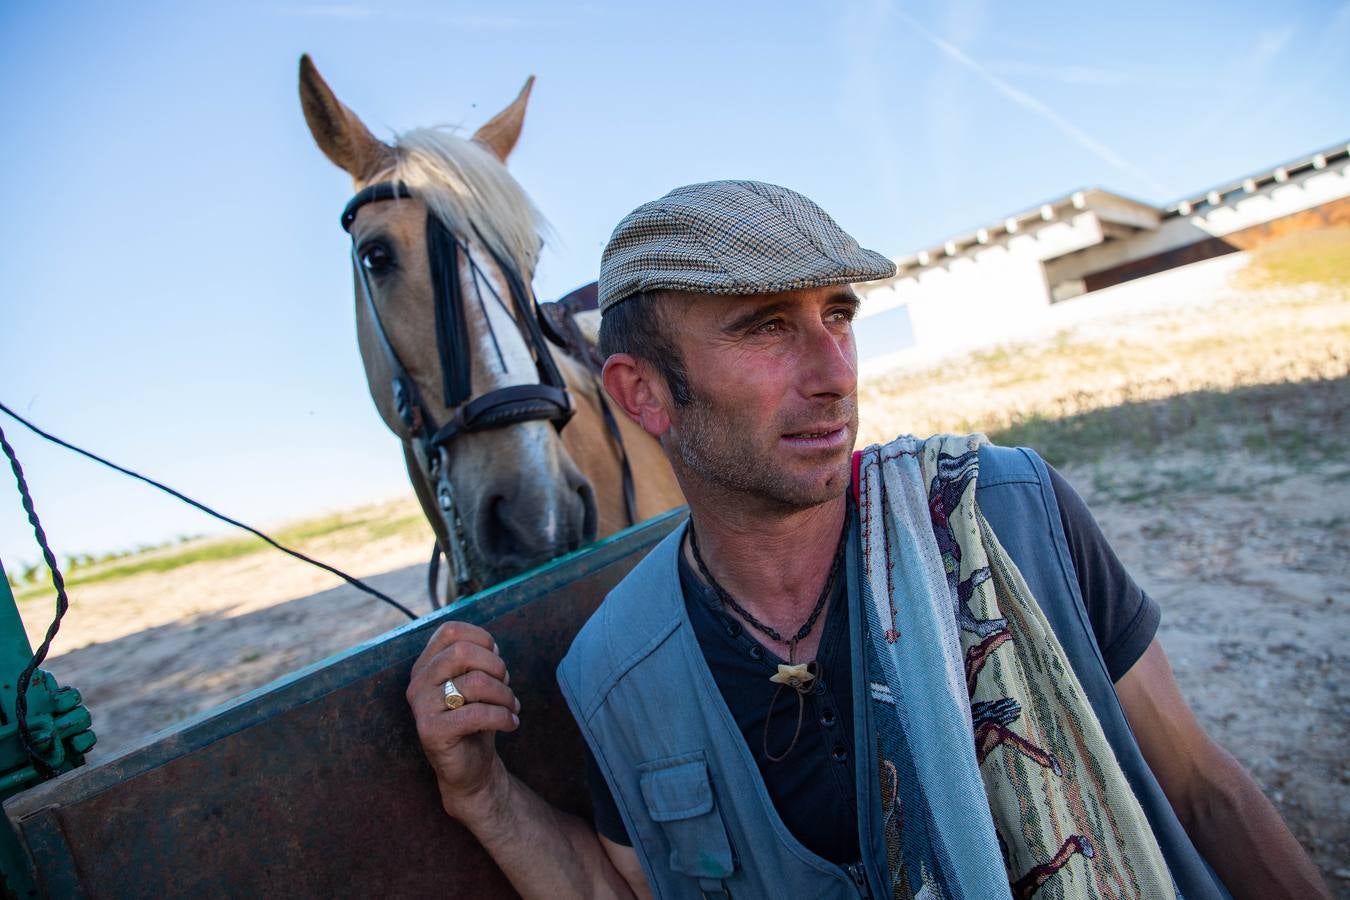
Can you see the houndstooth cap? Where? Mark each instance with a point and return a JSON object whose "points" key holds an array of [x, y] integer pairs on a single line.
{"points": [[731, 237]]}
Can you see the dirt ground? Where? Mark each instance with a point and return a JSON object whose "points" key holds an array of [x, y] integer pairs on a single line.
{"points": [[151, 650], [1246, 550], [1253, 580]]}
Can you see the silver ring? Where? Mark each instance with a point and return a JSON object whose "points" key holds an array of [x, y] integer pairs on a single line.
{"points": [[453, 698]]}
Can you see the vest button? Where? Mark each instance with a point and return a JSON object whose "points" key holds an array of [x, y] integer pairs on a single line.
{"points": [[734, 629], [827, 718], [839, 753], [756, 652]]}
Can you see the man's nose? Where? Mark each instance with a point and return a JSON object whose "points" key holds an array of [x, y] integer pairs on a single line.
{"points": [[831, 361]]}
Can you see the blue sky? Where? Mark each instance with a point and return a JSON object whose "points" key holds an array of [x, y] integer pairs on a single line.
{"points": [[176, 292]]}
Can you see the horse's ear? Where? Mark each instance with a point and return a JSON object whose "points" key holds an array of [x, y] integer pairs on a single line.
{"points": [[341, 136], [503, 130]]}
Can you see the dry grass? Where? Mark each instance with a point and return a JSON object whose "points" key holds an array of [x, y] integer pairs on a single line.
{"points": [[338, 533], [1305, 257], [1129, 406], [1263, 368]]}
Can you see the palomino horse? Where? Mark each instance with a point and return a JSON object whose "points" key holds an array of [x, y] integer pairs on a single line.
{"points": [[444, 246]]}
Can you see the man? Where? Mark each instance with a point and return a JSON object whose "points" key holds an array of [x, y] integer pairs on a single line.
{"points": [[903, 689]]}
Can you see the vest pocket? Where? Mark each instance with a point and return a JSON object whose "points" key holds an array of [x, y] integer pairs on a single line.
{"points": [[679, 797]]}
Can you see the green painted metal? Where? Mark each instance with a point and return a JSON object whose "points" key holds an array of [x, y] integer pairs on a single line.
{"points": [[60, 728]]}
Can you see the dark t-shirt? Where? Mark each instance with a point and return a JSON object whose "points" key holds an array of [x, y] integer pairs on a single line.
{"points": [[813, 786]]}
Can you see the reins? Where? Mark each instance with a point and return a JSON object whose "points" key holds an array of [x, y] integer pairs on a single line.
{"points": [[196, 504]]}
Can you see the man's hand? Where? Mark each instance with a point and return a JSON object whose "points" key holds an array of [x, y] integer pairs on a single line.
{"points": [[460, 744], [545, 852]]}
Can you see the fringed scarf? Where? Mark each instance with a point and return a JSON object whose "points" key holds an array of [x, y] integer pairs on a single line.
{"points": [[996, 779]]}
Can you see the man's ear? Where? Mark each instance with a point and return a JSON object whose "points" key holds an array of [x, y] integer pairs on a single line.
{"points": [[640, 393]]}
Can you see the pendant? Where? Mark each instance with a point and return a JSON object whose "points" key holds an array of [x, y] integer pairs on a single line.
{"points": [[794, 676]]}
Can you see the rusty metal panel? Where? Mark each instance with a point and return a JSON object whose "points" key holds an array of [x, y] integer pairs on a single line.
{"points": [[315, 785]]}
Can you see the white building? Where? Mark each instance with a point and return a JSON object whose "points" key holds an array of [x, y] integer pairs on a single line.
{"points": [[997, 282]]}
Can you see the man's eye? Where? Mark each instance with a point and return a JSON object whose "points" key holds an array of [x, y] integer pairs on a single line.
{"points": [[376, 259], [768, 327]]}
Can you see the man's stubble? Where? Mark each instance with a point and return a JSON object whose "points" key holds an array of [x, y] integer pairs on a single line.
{"points": [[710, 445]]}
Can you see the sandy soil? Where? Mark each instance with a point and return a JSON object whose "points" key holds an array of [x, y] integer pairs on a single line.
{"points": [[150, 650], [1253, 579], [1251, 566]]}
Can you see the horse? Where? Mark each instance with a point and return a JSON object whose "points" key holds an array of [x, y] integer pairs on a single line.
{"points": [[510, 445]]}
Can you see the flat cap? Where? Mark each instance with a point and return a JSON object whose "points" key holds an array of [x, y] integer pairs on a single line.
{"points": [[731, 237]]}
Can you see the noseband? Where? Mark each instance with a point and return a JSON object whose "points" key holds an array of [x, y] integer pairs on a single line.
{"points": [[546, 400]]}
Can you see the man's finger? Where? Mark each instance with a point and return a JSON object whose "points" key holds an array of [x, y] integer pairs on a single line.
{"points": [[475, 687], [479, 687], [470, 719], [451, 633], [473, 670], [456, 660]]}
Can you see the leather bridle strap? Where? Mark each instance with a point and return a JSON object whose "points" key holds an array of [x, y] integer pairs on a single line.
{"points": [[561, 329], [503, 407], [547, 400], [381, 190], [407, 400], [528, 317]]}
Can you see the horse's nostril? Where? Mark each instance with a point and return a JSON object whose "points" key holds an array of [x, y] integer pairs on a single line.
{"points": [[520, 530], [590, 518], [498, 534]]}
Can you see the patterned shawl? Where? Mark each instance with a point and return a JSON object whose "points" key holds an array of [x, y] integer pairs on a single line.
{"points": [[995, 776]]}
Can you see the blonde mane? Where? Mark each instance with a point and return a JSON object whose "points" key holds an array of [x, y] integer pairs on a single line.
{"points": [[470, 191]]}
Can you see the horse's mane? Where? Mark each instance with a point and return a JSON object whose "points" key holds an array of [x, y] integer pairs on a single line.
{"points": [[465, 186]]}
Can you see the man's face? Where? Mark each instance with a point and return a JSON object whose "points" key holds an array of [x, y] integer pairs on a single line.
{"points": [[773, 379]]}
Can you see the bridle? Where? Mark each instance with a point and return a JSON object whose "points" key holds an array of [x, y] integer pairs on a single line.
{"points": [[546, 400]]}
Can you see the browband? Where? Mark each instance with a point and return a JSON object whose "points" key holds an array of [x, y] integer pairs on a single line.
{"points": [[381, 190]]}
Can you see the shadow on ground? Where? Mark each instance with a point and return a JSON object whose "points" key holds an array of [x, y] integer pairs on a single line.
{"points": [[154, 678]]}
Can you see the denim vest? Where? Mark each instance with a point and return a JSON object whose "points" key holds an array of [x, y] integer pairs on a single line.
{"points": [[684, 780]]}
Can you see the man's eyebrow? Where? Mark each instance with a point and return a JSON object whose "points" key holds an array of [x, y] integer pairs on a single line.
{"points": [[754, 315], [757, 314]]}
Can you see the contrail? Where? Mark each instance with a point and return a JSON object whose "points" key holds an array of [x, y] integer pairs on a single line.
{"points": [[1025, 100]]}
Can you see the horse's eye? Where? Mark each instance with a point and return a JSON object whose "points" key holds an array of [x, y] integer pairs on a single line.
{"points": [[376, 258]]}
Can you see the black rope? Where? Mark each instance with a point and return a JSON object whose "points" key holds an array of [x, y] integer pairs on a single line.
{"points": [[354, 582], [62, 604]]}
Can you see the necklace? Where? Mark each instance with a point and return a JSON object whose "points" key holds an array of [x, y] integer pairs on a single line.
{"points": [[793, 674]]}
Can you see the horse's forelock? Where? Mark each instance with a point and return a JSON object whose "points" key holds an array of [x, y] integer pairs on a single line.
{"points": [[465, 186]]}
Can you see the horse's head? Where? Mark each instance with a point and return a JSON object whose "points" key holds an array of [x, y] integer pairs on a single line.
{"points": [[444, 247]]}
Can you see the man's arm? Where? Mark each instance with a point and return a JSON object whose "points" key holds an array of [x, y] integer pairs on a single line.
{"points": [[1223, 810], [542, 850]]}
